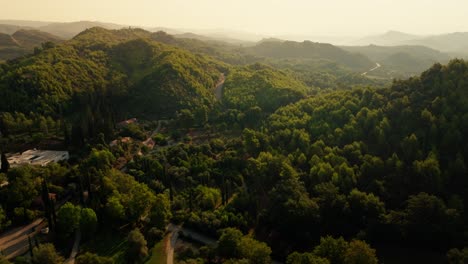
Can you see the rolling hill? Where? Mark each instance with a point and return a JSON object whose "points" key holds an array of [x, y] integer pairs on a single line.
{"points": [[23, 42], [404, 59], [33, 38], [454, 43], [310, 51], [119, 71], [71, 29]]}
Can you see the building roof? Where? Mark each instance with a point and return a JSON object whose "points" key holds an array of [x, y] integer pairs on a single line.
{"points": [[36, 157]]}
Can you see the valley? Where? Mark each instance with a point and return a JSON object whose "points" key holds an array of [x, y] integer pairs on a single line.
{"points": [[134, 145]]}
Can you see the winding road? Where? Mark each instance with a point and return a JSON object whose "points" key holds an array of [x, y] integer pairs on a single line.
{"points": [[219, 87], [377, 65]]}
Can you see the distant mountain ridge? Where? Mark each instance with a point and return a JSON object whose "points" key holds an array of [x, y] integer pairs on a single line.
{"points": [[390, 38], [453, 42], [68, 30], [310, 50], [409, 59]]}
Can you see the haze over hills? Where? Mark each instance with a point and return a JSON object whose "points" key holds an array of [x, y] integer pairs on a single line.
{"points": [[23, 42], [409, 59], [310, 50], [390, 38], [454, 43], [451, 43], [233, 132]]}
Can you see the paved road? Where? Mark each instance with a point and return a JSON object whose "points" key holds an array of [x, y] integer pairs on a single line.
{"points": [[219, 87], [377, 65], [15, 242]]}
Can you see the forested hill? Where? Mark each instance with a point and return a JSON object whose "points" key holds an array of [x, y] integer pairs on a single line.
{"points": [[401, 150], [261, 86], [312, 51], [104, 75]]}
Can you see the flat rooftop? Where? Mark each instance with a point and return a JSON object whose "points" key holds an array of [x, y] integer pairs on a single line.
{"points": [[36, 157]]}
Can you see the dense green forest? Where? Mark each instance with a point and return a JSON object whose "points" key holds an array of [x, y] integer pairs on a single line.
{"points": [[269, 156]]}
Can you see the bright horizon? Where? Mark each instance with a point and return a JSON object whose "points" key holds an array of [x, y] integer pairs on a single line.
{"points": [[267, 17]]}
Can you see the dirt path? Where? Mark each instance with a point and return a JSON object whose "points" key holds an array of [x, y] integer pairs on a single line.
{"points": [[219, 87], [377, 65], [170, 243], [75, 249]]}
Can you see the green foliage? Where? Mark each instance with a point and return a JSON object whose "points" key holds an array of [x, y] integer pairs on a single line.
{"points": [[90, 258], [133, 131], [46, 254], [228, 243], [360, 252], [101, 76], [233, 245], [4, 222], [333, 249], [457, 256], [312, 51], [261, 86], [290, 198], [137, 248], [3, 260], [23, 186], [68, 219], [88, 222], [305, 258], [126, 198], [255, 251], [161, 211], [207, 198]]}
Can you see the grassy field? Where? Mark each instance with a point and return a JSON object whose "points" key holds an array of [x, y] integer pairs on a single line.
{"points": [[158, 253]]}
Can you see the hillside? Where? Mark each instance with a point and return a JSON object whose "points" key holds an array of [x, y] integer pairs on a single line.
{"points": [[23, 42], [454, 42], [33, 38], [261, 86], [402, 59], [398, 144], [138, 75], [310, 51], [8, 41], [9, 29], [302, 159]]}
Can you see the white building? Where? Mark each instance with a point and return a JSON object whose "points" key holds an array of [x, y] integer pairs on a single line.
{"points": [[36, 157]]}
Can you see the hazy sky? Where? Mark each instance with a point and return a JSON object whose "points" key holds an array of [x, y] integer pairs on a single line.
{"points": [[326, 17]]}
